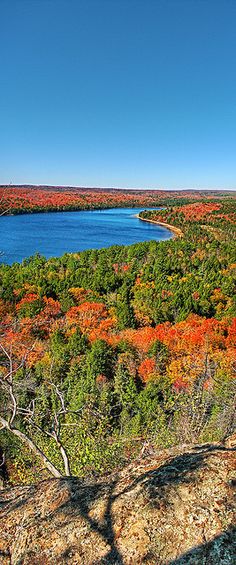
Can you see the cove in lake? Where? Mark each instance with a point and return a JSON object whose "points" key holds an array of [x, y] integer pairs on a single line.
{"points": [[54, 233]]}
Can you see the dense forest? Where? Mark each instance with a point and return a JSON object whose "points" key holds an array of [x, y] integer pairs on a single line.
{"points": [[30, 199], [104, 350]]}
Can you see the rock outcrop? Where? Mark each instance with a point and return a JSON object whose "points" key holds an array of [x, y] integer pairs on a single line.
{"points": [[170, 507]]}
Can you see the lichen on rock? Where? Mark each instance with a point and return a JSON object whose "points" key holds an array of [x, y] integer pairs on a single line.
{"points": [[170, 507]]}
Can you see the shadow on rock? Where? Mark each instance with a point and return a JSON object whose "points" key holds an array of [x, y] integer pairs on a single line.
{"points": [[221, 550]]}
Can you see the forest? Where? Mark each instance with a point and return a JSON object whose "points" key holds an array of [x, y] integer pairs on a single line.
{"points": [[31, 199], [104, 350]]}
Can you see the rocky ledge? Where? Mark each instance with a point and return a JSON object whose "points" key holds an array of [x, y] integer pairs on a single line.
{"points": [[170, 507]]}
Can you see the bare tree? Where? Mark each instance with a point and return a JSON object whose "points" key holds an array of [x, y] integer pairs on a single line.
{"points": [[195, 410], [13, 412]]}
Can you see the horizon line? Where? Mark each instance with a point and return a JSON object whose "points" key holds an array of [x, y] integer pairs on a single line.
{"points": [[110, 187]]}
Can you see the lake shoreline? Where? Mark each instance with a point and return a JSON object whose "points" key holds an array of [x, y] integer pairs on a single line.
{"points": [[41, 210], [54, 234], [176, 231]]}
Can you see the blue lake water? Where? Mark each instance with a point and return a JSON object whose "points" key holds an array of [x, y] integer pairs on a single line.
{"points": [[54, 233]]}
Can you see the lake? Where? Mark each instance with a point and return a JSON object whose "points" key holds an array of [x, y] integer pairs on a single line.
{"points": [[54, 233]]}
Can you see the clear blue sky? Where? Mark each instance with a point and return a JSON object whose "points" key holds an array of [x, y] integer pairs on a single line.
{"points": [[126, 93]]}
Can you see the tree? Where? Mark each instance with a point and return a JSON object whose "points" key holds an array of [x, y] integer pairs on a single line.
{"points": [[18, 419], [124, 310], [100, 359]]}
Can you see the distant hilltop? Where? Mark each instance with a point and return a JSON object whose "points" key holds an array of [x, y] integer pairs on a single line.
{"points": [[21, 199], [144, 191]]}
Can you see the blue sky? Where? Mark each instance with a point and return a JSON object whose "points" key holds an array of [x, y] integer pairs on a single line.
{"points": [[126, 93]]}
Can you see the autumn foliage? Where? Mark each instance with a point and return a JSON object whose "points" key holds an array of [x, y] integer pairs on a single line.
{"points": [[21, 199], [141, 340]]}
